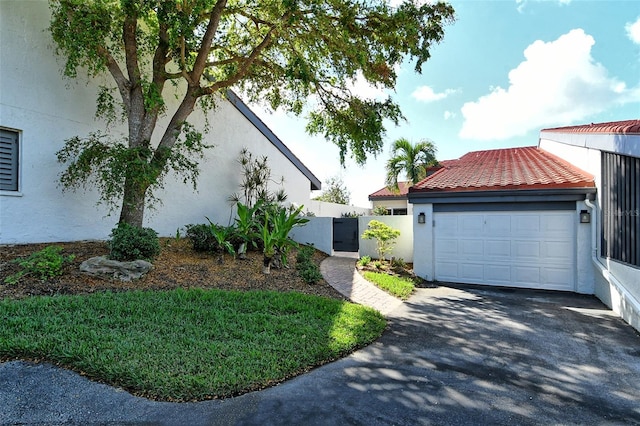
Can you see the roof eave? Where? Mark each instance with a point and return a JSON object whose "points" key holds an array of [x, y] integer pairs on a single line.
{"points": [[501, 196], [235, 100], [387, 197]]}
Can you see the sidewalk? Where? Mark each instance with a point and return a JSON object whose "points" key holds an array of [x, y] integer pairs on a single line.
{"points": [[340, 272]]}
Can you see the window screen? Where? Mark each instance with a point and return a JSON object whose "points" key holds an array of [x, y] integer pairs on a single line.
{"points": [[621, 208], [8, 160]]}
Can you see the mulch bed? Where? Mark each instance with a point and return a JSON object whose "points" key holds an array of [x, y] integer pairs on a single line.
{"points": [[178, 266]]}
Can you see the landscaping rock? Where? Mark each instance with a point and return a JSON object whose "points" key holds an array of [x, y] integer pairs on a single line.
{"points": [[103, 267]]}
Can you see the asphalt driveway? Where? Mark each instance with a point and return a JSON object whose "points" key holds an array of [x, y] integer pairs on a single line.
{"points": [[450, 356]]}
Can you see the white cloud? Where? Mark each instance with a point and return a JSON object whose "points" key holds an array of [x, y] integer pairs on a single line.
{"points": [[558, 83], [449, 114], [522, 3], [633, 30], [426, 94], [365, 90]]}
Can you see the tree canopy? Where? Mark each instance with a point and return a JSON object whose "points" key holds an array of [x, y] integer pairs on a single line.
{"points": [[412, 160], [335, 192], [288, 53]]}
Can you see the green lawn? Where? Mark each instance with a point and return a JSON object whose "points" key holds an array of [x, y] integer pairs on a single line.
{"points": [[186, 344], [396, 286]]}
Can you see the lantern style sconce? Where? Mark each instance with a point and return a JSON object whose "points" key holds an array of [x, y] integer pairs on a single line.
{"points": [[421, 217], [585, 216]]}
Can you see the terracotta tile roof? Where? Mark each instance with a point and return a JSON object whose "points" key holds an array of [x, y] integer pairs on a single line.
{"points": [[404, 186], [386, 192], [505, 169], [615, 127]]}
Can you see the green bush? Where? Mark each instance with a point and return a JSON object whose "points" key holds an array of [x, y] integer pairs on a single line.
{"points": [[398, 263], [307, 269], [46, 263], [364, 260], [131, 242], [201, 237], [383, 234], [305, 254]]}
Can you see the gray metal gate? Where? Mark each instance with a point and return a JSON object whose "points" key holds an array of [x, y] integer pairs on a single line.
{"points": [[345, 234]]}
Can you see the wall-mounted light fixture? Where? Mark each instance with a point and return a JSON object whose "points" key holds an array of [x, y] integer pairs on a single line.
{"points": [[421, 217], [585, 216]]}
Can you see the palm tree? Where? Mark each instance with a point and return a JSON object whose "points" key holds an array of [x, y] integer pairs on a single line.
{"points": [[412, 160]]}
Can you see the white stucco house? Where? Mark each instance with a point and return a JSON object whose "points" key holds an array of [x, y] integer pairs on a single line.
{"points": [[39, 110], [395, 202], [563, 215], [611, 153]]}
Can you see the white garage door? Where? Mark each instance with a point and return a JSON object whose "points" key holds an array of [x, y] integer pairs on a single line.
{"points": [[515, 249]]}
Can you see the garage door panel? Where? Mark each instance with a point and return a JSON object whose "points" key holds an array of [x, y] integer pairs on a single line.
{"points": [[526, 274], [472, 249], [471, 271], [521, 249], [498, 248], [526, 224], [554, 223], [448, 271], [556, 276], [498, 225], [448, 226], [526, 250], [557, 251], [447, 247], [471, 225], [500, 274]]}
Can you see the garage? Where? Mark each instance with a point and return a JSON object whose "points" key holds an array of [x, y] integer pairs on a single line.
{"points": [[532, 249], [507, 217]]}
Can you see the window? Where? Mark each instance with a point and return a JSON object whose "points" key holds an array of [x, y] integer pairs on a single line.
{"points": [[621, 208], [9, 146], [399, 212]]}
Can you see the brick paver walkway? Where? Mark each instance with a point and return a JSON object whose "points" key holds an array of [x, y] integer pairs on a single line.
{"points": [[341, 274]]}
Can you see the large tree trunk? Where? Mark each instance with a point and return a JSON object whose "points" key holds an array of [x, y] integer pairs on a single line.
{"points": [[133, 204]]}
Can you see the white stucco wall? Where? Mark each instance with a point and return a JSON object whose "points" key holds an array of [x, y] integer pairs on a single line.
{"points": [[423, 246], [616, 284], [323, 208], [318, 231], [403, 249], [47, 109], [394, 204]]}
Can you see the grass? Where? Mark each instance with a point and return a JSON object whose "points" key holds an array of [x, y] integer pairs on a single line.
{"points": [[396, 286], [186, 344]]}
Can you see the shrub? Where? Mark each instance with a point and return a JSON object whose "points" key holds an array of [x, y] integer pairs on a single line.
{"points": [[307, 269], [398, 263], [201, 237], [364, 260], [310, 272], [131, 242], [380, 211], [383, 234], [213, 238], [305, 254], [46, 263]]}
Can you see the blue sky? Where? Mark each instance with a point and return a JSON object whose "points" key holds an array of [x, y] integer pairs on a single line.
{"points": [[505, 70]]}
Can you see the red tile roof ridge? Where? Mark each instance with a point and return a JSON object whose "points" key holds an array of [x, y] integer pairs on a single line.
{"points": [[626, 127]]}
